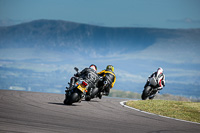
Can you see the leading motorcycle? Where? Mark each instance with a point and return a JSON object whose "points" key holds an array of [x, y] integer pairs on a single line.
{"points": [[150, 89]]}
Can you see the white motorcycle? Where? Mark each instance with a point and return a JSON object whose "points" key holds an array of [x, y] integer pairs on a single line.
{"points": [[151, 88]]}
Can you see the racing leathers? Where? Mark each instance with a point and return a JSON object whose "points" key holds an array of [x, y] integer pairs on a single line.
{"points": [[110, 76], [88, 74], [160, 79]]}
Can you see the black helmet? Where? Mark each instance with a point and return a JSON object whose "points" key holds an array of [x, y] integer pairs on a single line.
{"points": [[110, 67], [94, 67]]}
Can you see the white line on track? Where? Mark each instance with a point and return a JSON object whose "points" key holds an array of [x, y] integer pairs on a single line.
{"points": [[124, 105]]}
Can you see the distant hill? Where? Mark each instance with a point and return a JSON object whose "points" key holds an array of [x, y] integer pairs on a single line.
{"points": [[40, 55], [59, 35]]}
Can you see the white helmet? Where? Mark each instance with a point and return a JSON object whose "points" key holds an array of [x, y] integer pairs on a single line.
{"points": [[94, 67], [159, 71]]}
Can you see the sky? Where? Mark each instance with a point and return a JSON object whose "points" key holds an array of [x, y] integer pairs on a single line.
{"points": [[110, 13]]}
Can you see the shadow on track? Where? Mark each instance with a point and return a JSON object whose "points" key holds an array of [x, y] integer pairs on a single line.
{"points": [[95, 101], [74, 104], [62, 104]]}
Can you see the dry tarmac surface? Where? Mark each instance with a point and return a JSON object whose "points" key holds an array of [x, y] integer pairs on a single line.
{"points": [[34, 112]]}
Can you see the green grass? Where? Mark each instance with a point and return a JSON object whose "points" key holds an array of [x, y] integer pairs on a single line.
{"points": [[189, 111]]}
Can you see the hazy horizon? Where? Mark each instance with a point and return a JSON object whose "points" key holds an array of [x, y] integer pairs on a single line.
{"points": [[170, 14]]}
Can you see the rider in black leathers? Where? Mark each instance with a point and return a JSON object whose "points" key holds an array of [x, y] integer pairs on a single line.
{"points": [[88, 74]]}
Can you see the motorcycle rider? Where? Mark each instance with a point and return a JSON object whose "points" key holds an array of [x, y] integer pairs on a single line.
{"points": [[109, 72], [91, 73], [160, 79]]}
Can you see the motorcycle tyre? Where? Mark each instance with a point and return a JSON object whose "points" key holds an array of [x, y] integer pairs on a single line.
{"points": [[87, 98], [145, 93], [67, 101], [71, 99], [74, 97], [100, 95]]}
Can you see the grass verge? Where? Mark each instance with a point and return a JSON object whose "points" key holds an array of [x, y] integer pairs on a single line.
{"points": [[189, 111]]}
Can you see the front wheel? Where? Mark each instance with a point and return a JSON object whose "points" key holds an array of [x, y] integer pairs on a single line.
{"points": [[146, 93]]}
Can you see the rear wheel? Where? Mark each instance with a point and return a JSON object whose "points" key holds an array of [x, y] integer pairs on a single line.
{"points": [[146, 93], [67, 100], [100, 95], [71, 99], [74, 98]]}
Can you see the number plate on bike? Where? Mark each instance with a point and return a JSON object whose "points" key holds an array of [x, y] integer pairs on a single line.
{"points": [[81, 87]]}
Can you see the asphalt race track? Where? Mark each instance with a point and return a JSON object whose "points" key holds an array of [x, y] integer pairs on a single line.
{"points": [[24, 112]]}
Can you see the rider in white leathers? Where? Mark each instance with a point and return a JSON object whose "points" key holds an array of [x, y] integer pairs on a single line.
{"points": [[160, 78]]}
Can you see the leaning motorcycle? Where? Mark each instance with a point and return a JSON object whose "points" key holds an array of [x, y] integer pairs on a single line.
{"points": [[77, 92], [103, 83], [151, 89]]}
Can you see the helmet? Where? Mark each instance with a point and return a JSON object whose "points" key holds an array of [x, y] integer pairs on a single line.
{"points": [[159, 71], [110, 67], [94, 67]]}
